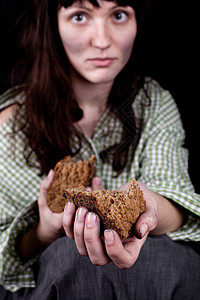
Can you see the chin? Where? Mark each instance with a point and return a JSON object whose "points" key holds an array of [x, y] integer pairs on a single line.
{"points": [[103, 78], [101, 81]]}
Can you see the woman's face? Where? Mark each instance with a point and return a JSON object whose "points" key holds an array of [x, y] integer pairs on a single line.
{"points": [[98, 40]]}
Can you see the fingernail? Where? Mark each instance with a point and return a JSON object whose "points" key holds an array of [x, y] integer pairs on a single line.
{"points": [[98, 181], [89, 189], [81, 214], [91, 219], [109, 237], [143, 230], [68, 207], [50, 174]]}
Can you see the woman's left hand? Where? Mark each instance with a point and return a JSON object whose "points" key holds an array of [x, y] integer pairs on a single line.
{"points": [[125, 253], [85, 229]]}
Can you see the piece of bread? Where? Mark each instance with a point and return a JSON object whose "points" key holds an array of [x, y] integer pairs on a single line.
{"points": [[118, 210], [69, 173]]}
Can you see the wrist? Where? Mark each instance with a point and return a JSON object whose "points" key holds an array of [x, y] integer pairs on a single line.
{"points": [[46, 236], [170, 216], [30, 244]]}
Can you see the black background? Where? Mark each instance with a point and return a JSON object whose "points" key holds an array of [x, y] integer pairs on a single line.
{"points": [[168, 54]]}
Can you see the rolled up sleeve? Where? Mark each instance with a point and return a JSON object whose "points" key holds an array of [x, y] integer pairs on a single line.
{"points": [[164, 163]]}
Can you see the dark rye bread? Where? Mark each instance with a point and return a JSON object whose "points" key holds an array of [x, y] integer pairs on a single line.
{"points": [[69, 173], [118, 210]]}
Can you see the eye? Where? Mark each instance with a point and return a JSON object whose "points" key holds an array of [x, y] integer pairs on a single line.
{"points": [[120, 16], [79, 18]]}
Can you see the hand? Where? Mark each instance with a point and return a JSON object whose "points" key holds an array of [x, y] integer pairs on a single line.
{"points": [[86, 232], [46, 231], [50, 224], [85, 229], [96, 184]]}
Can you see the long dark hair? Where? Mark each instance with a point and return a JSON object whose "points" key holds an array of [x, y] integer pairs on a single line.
{"points": [[41, 72]]}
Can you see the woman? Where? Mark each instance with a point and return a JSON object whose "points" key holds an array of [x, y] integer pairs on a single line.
{"points": [[77, 94]]}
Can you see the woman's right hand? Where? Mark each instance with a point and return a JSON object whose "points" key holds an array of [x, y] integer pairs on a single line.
{"points": [[50, 226]]}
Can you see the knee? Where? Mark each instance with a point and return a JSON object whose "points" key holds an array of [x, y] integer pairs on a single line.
{"points": [[173, 268], [59, 257]]}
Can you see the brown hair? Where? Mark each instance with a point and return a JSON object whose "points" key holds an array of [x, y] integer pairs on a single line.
{"points": [[50, 106]]}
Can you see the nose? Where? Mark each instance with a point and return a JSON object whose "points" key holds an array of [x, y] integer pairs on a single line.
{"points": [[101, 36]]}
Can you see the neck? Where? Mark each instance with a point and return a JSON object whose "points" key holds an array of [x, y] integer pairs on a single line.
{"points": [[92, 99], [91, 94]]}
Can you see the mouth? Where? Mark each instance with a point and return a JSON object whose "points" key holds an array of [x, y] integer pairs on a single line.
{"points": [[101, 62]]}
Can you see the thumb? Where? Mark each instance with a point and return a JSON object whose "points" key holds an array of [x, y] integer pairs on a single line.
{"points": [[96, 183], [44, 187]]}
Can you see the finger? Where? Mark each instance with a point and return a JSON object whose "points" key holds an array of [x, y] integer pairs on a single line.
{"points": [[146, 222], [123, 187], [96, 183], [125, 254], [93, 242], [44, 187], [68, 219], [79, 224], [149, 219], [141, 230]]}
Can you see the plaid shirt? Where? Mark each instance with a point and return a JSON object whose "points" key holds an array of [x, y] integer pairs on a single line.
{"points": [[159, 161]]}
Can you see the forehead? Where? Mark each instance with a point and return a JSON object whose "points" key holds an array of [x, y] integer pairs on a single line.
{"points": [[67, 3]]}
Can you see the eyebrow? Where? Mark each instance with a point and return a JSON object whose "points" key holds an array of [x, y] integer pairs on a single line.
{"points": [[78, 5], [81, 7]]}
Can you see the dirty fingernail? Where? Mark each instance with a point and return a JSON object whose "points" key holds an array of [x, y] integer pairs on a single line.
{"points": [[143, 230]]}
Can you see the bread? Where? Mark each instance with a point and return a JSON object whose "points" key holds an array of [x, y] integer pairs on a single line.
{"points": [[118, 210], [69, 173]]}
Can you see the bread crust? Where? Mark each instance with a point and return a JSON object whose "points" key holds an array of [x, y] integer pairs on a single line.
{"points": [[69, 173]]}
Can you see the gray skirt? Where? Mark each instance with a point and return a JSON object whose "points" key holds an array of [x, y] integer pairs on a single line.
{"points": [[165, 270]]}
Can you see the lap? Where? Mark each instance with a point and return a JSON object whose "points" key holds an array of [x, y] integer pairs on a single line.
{"points": [[164, 270]]}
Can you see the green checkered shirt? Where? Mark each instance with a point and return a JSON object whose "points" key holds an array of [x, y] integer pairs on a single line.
{"points": [[159, 161]]}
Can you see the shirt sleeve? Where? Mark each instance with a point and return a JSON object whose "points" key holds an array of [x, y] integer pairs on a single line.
{"points": [[14, 274], [19, 185], [164, 161]]}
